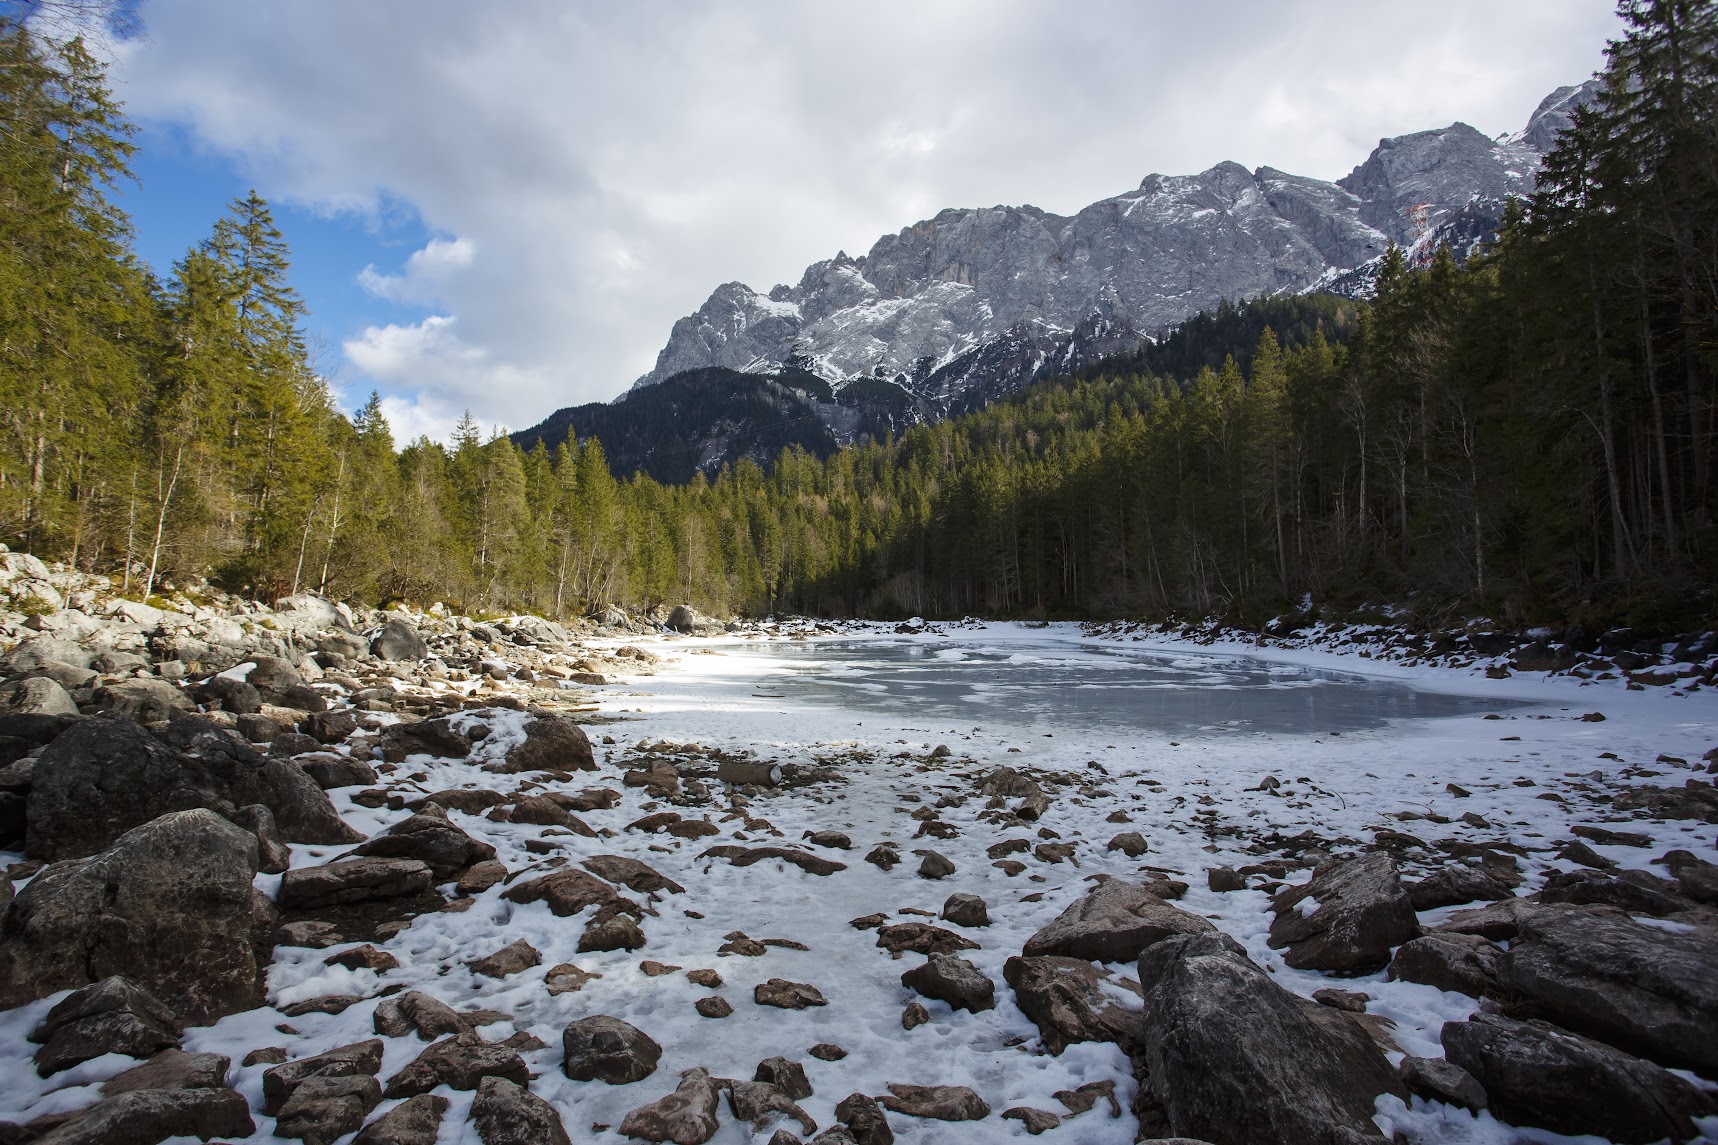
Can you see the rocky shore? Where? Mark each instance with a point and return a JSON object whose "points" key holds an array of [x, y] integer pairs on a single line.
{"points": [[290, 871]]}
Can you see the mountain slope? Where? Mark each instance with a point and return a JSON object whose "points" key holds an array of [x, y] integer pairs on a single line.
{"points": [[1022, 281]]}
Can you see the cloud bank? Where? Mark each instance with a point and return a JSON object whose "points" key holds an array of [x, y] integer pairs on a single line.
{"points": [[593, 171]]}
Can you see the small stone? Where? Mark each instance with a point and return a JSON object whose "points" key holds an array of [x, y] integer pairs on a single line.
{"points": [[827, 1052], [510, 959], [914, 1016], [714, 1006], [265, 1055], [787, 995], [365, 957], [937, 1102], [754, 1101], [1036, 1120], [565, 978], [1351, 1001], [479, 877], [883, 856], [653, 969], [708, 978]]}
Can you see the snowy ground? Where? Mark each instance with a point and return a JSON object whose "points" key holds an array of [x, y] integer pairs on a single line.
{"points": [[1195, 795]]}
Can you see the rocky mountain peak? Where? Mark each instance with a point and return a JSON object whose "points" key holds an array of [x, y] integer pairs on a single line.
{"points": [[928, 299]]}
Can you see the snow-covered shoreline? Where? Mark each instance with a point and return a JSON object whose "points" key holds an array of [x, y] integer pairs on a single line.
{"points": [[1202, 801]]}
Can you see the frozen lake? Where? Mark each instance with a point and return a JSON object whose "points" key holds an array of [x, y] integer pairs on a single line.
{"points": [[1056, 685]]}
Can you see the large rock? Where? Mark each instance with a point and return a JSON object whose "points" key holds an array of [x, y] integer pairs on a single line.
{"points": [[145, 700], [507, 1113], [1535, 1074], [323, 1109], [631, 873], [459, 1062], [1465, 963], [171, 1069], [953, 980], [415, 1121], [415, 1012], [1456, 884], [690, 621], [1649, 991], [359, 1059], [602, 1048], [102, 777], [399, 640], [1234, 1059], [39, 695], [435, 737], [568, 892], [1066, 1000], [114, 1016], [169, 905], [148, 1116], [352, 881], [433, 840], [938, 1102], [685, 1117], [1359, 911], [1114, 922], [552, 743], [233, 695]]}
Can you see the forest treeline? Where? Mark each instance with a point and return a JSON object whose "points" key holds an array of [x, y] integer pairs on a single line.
{"points": [[1527, 435]]}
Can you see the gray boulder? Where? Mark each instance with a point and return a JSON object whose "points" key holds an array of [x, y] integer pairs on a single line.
{"points": [[1114, 922], [171, 1069], [1535, 1074], [170, 906], [459, 1062], [552, 743], [1234, 1059], [114, 1016], [1465, 963], [145, 700], [324, 1109], [435, 737], [506, 1113], [1642, 989], [432, 839], [103, 777], [1361, 912], [39, 695], [147, 1116], [602, 1048], [953, 980], [239, 697], [1456, 884], [399, 640], [1438, 1079], [415, 1121], [280, 1082], [415, 1012], [352, 881], [1065, 999], [685, 1117]]}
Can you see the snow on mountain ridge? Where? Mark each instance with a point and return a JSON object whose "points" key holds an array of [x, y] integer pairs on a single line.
{"points": [[944, 288]]}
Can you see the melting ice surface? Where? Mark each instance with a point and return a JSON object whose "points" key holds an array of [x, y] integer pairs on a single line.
{"points": [[1093, 686]]}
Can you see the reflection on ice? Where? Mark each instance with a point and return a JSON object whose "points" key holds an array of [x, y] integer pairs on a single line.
{"points": [[1100, 687]]}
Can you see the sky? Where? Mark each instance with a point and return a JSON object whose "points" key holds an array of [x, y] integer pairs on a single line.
{"points": [[503, 208]]}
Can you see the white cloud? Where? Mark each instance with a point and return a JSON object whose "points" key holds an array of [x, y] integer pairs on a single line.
{"points": [[428, 275], [605, 166]]}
